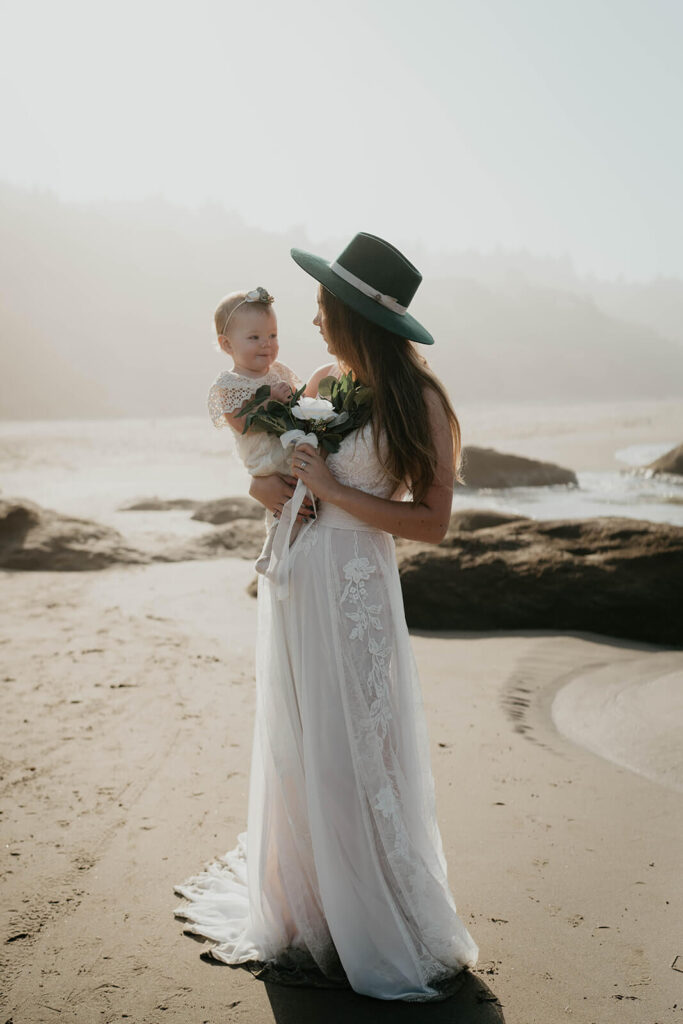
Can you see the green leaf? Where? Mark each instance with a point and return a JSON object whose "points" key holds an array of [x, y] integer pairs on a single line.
{"points": [[259, 427], [259, 397], [349, 400], [326, 387]]}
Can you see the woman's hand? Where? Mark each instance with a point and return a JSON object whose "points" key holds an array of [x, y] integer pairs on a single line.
{"points": [[274, 490], [314, 472]]}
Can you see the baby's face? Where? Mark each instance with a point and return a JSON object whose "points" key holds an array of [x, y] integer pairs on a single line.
{"points": [[252, 340]]}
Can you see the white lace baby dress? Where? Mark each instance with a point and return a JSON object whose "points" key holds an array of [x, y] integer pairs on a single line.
{"points": [[262, 454]]}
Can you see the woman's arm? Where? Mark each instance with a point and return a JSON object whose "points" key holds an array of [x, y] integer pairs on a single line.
{"points": [[426, 520]]}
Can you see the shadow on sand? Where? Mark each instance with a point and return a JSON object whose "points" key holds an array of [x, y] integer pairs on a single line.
{"points": [[473, 1002]]}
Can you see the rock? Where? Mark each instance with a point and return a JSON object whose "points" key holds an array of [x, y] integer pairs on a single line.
{"points": [[224, 510], [615, 576], [671, 462], [485, 467], [35, 538], [220, 510], [469, 519], [158, 504], [243, 537]]}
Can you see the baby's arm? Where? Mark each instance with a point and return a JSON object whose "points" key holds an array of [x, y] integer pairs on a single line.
{"points": [[236, 422]]}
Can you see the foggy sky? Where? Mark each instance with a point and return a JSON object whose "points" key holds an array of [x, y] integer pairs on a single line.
{"points": [[106, 309], [453, 124]]}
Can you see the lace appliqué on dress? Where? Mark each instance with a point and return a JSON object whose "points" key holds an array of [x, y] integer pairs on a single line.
{"points": [[309, 539], [367, 617], [385, 783]]}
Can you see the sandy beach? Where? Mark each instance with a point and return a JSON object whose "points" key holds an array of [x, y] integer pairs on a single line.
{"points": [[129, 701], [127, 704]]}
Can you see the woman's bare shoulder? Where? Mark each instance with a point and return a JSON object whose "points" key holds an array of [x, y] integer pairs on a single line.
{"points": [[314, 380]]}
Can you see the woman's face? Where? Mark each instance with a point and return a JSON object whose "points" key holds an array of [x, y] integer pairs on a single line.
{"points": [[320, 322]]}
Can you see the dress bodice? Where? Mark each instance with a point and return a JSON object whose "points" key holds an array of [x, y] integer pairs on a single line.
{"points": [[356, 463]]}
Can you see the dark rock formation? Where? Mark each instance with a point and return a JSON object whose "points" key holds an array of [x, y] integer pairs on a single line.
{"points": [[220, 510], [224, 510], [469, 519], [32, 537], [35, 538], [616, 576], [485, 467], [158, 504], [242, 538], [670, 462]]}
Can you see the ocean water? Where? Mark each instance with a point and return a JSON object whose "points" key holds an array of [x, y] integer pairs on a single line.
{"points": [[624, 492], [89, 468]]}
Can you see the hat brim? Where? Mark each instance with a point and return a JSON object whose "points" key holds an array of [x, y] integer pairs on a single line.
{"points": [[404, 325]]}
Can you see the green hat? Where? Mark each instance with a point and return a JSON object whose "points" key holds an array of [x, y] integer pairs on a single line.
{"points": [[374, 279]]}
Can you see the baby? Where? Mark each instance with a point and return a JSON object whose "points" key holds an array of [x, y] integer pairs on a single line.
{"points": [[246, 327]]}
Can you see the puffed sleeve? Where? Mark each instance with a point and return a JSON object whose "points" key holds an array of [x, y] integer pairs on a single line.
{"points": [[227, 394]]}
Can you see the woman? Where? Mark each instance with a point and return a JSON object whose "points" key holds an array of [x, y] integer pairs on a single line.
{"points": [[343, 879]]}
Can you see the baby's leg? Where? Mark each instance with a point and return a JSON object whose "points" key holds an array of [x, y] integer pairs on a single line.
{"points": [[263, 560]]}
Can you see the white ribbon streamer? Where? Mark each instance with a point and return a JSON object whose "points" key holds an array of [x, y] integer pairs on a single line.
{"points": [[367, 289], [297, 437], [276, 569]]}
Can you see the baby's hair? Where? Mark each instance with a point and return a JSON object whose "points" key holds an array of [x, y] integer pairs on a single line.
{"points": [[227, 306]]}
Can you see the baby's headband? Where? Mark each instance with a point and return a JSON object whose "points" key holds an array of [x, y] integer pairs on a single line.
{"points": [[255, 295]]}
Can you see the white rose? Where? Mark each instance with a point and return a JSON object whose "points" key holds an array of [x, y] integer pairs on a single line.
{"points": [[314, 409]]}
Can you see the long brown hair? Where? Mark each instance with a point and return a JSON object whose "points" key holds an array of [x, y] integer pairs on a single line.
{"points": [[398, 376]]}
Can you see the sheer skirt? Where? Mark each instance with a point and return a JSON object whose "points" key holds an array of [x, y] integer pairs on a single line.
{"points": [[342, 879]]}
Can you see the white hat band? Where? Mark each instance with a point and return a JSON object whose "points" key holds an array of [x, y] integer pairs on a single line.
{"points": [[366, 289]]}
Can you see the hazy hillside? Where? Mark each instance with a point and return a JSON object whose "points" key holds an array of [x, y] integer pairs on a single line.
{"points": [[657, 304], [106, 309]]}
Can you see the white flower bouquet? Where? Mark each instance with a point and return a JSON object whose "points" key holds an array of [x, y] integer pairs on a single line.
{"points": [[341, 406]]}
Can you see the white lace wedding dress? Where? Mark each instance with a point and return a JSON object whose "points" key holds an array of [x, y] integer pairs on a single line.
{"points": [[340, 877]]}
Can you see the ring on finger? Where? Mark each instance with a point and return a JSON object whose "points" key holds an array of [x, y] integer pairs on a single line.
{"points": [[302, 465]]}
